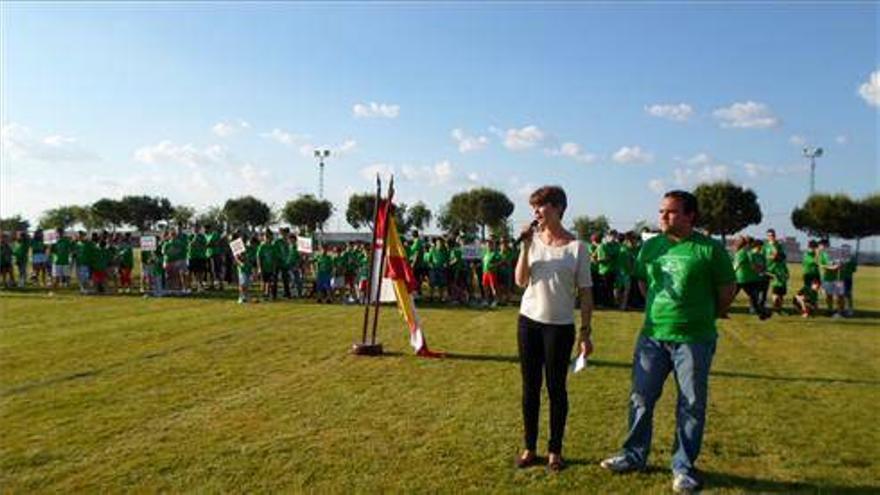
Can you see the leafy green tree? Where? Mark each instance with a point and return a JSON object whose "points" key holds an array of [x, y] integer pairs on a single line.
{"points": [[585, 226], [143, 212], [726, 208], [492, 208], [110, 212], [213, 217], [360, 210], [307, 212], [459, 215], [183, 215], [247, 211], [838, 215], [63, 217], [14, 224], [88, 219], [418, 216]]}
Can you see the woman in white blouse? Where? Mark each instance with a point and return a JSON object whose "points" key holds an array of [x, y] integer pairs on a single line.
{"points": [[554, 268]]}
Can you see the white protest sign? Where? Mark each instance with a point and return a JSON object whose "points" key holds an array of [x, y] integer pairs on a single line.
{"points": [[304, 244], [472, 252], [148, 243], [237, 246], [51, 237]]}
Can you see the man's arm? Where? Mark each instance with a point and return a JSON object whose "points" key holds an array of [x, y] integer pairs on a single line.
{"points": [[726, 293]]}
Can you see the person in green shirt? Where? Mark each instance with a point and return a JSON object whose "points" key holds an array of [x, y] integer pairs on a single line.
{"points": [[505, 271], [626, 259], [438, 262], [689, 282], [85, 252], [6, 274], [363, 272], [101, 259], [244, 262], [216, 256], [323, 262], [282, 255], [416, 254], [777, 269], [294, 263], [606, 259], [39, 259], [266, 266], [491, 264], [809, 263], [125, 252], [197, 258], [59, 254], [20, 249], [806, 300], [759, 261], [846, 273], [832, 282], [174, 261], [748, 279]]}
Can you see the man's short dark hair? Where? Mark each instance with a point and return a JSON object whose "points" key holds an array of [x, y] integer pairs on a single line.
{"points": [[771, 231], [688, 202], [550, 195]]}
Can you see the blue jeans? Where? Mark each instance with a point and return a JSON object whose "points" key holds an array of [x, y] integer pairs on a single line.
{"points": [[653, 360]]}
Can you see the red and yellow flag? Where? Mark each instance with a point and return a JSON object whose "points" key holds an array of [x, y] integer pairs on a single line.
{"points": [[399, 271]]}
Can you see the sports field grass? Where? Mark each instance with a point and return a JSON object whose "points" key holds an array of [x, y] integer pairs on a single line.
{"points": [[128, 394]]}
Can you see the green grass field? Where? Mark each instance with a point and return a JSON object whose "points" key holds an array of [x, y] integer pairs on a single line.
{"points": [[129, 394]]}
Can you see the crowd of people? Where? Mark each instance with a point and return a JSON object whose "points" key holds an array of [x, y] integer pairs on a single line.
{"points": [[450, 270]]}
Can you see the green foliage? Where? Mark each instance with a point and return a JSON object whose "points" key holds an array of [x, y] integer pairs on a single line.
{"points": [[143, 212], [726, 208], [838, 215], [213, 217], [183, 215], [110, 212], [14, 224], [307, 212], [63, 217], [247, 211], [359, 212], [477, 209], [419, 216], [586, 226]]}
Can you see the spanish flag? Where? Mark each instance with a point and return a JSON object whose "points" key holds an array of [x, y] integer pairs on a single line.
{"points": [[399, 271]]}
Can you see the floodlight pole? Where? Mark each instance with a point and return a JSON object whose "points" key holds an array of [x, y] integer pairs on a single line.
{"points": [[812, 154], [320, 155]]}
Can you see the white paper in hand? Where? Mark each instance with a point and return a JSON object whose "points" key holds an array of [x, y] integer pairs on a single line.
{"points": [[579, 363]]}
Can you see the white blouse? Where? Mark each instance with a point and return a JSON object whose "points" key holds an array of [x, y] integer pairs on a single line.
{"points": [[555, 274]]}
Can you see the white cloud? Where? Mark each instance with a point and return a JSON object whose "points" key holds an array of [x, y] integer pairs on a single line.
{"points": [[166, 152], [632, 154], [573, 151], [870, 90], [284, 137], [229, 128], [473, 177], [755, 170], [522, 139], [373, 109], [747, 115], [438, 174], [657, 185], [699, 159], [383, 169], [675, 112], [469, 143], [797, 140], [19, 142], [686, 177], [842, 139]]}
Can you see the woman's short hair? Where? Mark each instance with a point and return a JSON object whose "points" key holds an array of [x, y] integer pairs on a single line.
{"points": [[550, 195]]}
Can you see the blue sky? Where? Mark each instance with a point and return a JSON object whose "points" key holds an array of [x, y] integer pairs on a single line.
{"points": [[201, 102]]}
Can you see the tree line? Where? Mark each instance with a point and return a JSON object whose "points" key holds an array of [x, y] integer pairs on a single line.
{"points": [[725, 209]]}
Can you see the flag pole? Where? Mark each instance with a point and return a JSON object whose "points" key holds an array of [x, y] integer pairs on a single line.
{"points": [[388, 211], [370, 287]]}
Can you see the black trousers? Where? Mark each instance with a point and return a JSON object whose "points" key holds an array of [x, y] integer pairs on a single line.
{"points": [[543, 349]]}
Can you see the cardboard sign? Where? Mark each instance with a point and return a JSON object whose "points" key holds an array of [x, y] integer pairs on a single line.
{"points": [[237, 246], [148, 243], [50, 237], [472, 252], [304, 244]]}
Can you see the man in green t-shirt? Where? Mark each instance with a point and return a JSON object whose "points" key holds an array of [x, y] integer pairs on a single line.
{"points": [[126, 262], [282, 254], [748, 277], [688, 282], [324, 263], [810, 264], [59, 255], [777, 269], [20, 253], [39, 258], [438, 263], [832, 282], [294, 263], [266, 266], [85, 251], [606, 259], [491, 263], [197, 258]]}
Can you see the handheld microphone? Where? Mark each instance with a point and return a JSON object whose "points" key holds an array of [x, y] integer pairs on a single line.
{"points": [[525, 235]]}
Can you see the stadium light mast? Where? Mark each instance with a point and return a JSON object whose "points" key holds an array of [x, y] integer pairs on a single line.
{"points": [[812, 154], [320, 155]]}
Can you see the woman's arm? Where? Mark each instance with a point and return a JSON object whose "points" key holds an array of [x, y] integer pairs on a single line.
{"points": [[522, 274], [585, 343]]}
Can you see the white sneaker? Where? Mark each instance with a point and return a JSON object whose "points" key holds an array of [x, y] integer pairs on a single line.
{"points": [[836, 315], [619, 464], [683, 483]]}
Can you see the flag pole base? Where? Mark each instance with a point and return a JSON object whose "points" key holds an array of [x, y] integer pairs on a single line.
{"points": [[364, 349]]}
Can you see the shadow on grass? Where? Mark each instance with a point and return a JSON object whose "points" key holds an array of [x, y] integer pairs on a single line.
{"points": [[754, 485]]}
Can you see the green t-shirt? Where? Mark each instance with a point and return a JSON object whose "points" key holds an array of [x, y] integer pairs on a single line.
{"points": [[456, 262], [293, 257], [809, 264], [38, 246], [438, 257], [848, 268], [744, 267], [20, 250], [101, 258], [416, 253], [61, 251], [126, 256], [266, 256], [759, 262], [86, 252], [774, 253], [173, 250], [324, 264], [626, 260], [282, 248], [491, 261], [245, 261], [5, 254], [197, 249], [682, 280], [809, 294], [212, 242], [830, 273], [778, 274], [606, 255]]}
